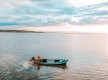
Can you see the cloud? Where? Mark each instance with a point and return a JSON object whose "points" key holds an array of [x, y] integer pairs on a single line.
{"points": [[12, 4], [51, 12], [82, 3]]}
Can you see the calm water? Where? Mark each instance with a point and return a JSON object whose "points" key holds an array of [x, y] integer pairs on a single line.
{"points": [[87, 54]]}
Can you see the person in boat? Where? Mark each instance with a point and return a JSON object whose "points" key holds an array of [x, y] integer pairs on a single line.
{"points": [[36, 61], [39, 58]]}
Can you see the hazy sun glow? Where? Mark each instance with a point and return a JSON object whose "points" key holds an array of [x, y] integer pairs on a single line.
{"points": [[71, 28]]}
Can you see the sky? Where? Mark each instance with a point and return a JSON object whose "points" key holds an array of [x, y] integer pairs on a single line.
{"points": [[53, 15]]}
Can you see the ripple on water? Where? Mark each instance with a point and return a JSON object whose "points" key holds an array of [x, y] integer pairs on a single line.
{"points": [[85, 52], [8, 65]]}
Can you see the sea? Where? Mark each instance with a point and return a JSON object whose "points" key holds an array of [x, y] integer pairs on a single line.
{"points": [[87, 55]]}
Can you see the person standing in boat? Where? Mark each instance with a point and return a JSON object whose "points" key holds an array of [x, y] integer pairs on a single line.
{"points": [[36, 60], [39, 58]]}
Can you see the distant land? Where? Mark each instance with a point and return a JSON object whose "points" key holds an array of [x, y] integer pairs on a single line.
{"points": [[22, 31], [26, 31]]}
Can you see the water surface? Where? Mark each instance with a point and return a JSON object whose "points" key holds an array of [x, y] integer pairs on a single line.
{"points": [[87, 54]]}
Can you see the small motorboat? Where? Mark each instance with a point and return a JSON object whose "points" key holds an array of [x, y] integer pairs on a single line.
{"points": [[53, 62]]}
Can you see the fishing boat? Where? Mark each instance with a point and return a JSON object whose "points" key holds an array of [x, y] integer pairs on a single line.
{"points": [[53, 62], [57, 66]]}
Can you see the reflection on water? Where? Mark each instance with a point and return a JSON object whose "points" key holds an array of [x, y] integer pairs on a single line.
{"points": [[56, 66], [87, 54]]}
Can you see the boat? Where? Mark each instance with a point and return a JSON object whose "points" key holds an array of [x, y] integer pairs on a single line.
{"points": [[57, 66], [52, 62]]}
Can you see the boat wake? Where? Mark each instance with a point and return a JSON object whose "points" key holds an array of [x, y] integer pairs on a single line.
{"points": [[25, 65]]}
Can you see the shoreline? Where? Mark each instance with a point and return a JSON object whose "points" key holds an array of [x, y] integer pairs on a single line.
{"points": [[21, 31], [26, 31]]}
